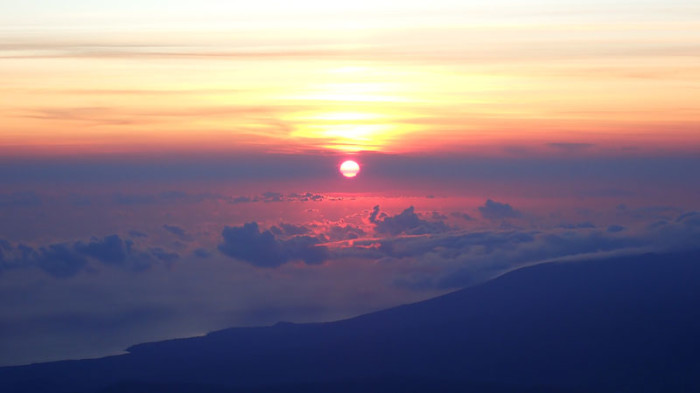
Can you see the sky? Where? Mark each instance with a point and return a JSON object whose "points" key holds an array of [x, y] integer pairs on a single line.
{"points": [[168, 168]]}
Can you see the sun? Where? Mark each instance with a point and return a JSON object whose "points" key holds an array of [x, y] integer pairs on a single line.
{"points": [[349, 168]]}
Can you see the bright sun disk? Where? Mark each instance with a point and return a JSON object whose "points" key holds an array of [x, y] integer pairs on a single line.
{"points": [[349, 168]]}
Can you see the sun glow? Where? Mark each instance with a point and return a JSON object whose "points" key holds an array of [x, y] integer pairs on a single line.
{"points": [[347, 130], [349, 168], [354, 109]]}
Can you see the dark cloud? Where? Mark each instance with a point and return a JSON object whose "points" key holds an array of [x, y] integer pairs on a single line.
{"points": [[173, 195], [164, 255], [21, 256], [658, 224], [463, 216], [137, 234], [59, 260], [241, 199], [169, 197], [452, 245], [111, 249], [25, 252], [4, 247], [438, 216], [262, 249], [440, 251], [690, 218], [249, 244], [306, 197], [272, 196], [177, 231], [289, 229], [681, 233], [493, 210], [616, 228], [406, 222], [344, 232], [305, 248], [65, 260], [457, 260], [374, 214]]}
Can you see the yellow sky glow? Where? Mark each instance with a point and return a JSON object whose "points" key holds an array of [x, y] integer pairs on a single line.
{"points": [[443, 76]]}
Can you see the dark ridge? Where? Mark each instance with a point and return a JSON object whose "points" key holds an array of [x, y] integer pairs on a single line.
{"points": [[365, 385], [618, 325]]}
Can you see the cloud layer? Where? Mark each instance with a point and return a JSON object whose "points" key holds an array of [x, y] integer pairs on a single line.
{"points": [[64, 260], [270, 265], [407, 222], [262, 249]]}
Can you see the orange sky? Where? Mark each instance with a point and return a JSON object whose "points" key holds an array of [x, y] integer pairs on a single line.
{"points": [[417, 77]]}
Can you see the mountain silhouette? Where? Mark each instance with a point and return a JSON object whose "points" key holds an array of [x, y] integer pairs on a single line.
{"points": [[621, 324]]}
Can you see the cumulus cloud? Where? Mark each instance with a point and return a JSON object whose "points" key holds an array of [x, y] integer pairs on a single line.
{"points": [[272, 196], [64, 260], [180, 232], [681, 233], [289, 229], [170, 197], [323, 232], [137, 234], [438, 216], [462, 215], [4, 247], [616, 228], [343, 232], [424, 253], [241, 199], [263, 249], [493, 210], [164, 255], [690, 219], [307, 196], [175, 230], [111, 249], [407, 222], [59, 260], [457, 258], [374, 214]]}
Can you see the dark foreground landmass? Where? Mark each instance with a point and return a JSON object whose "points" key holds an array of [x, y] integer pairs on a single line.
{"points": [[624, 324]]}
